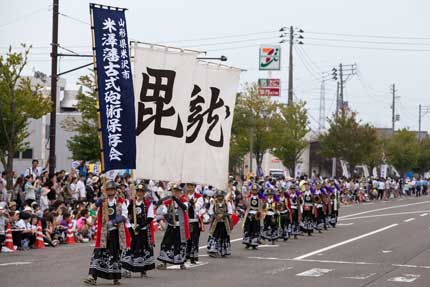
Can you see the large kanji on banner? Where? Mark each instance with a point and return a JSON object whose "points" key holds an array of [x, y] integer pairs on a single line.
{"points": [[184, 113]]}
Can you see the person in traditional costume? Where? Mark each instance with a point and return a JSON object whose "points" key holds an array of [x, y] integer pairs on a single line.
{"points": [[296, 212], [251, 227], [271, 218], [308, 209], [220, 211], [334, 204], [111, 237], [140, 257], [196, 209], [318, 208], [285, 214], [173, 249]]}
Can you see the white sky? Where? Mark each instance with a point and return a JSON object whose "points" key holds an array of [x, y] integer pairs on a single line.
{"points": [[29, 21]]}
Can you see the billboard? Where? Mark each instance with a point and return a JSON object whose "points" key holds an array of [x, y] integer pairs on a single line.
{"points": [[270, 58], [269, 87]]}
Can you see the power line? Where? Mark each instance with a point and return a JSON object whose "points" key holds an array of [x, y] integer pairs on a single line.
{"points": [[368, 48], [24, 17], [368, 36], [369, 42]]}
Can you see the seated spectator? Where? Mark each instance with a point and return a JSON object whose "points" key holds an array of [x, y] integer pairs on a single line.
{"points": [[26, 236], [83, 226], [4, 220]]}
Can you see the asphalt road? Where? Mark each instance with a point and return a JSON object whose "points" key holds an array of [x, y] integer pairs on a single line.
{"points": [[374, 244]]}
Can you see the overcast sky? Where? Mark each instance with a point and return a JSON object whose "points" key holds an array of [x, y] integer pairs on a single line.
{"points": [[389, 40]]}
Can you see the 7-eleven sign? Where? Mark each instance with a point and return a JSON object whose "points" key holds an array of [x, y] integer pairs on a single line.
{"points": [[270, 58]]}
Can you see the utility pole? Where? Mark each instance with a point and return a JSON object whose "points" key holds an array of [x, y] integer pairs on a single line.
{"points": [[422, 111], [290, 68], [345, 72], [53, 122], [341, 86], [321, 125], [395, 117]]}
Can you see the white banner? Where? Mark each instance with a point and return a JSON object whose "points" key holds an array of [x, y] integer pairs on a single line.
{"points": [[195, 114], [384, 169], [366, 171], [298, 172], [375, 172], [163, 82], [345, 171], [209, 125]]}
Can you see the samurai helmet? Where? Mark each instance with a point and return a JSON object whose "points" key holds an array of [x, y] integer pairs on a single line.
{"points": [[111, 185], [219, 193]]}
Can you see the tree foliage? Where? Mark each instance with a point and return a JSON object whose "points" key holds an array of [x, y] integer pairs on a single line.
{"points": [[290, 138], [403, 151], [350, 140], [85, 144], [254, 117], [19, 102]]}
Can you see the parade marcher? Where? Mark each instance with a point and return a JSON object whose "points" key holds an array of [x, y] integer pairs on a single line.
{"points": [[174, 244], [271, 218], [308, 209], [111, 238], [319, 209], [220, 211], [195, 210], [296, 212], [251, 226], [285, 214], [140, 257], [334, 204]]}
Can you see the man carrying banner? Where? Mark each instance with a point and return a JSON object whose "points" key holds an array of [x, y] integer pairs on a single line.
{"points": [[174, 245], [195, 210], [110, 238], [140, 257]]}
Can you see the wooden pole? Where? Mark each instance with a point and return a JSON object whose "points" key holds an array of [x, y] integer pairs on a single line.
{"points": [[102, 163]]}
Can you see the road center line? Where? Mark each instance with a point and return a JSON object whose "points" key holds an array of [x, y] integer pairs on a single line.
{"points": [[384, 208], [424, 214], [231, 241], [382, 215], [16, 263], [408, 220], [345, 242], [313, 260]]}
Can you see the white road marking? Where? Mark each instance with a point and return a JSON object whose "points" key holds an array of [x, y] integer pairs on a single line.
{"points": [[424, 214], [387, 251], [411, 266], [267, 245], [276, 271], [231, 241], [315, 272], [384, 208], [361, 276], [345, 224], [313, 260], [16, 263], [346, 241], [187, 265], [408, 220], [382, 215], [406, 278]]}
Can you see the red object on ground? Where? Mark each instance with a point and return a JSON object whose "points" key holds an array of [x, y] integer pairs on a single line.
{"points": [[9, 241], [70, 238], [39, 237]]}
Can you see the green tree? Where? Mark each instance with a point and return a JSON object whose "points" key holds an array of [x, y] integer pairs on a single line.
{"points": [[424, 157], [85, 144], [292, 129], [403, 151], [350, 140], [19, 102], [255, 117]]}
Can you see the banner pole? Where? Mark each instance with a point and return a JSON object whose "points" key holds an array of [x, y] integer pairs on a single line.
{"points": [[99, 129]]}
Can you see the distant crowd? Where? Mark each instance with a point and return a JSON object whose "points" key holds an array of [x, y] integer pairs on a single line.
{"points": [[63, 203]]}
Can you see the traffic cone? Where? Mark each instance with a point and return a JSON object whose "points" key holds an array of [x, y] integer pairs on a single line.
{"points": [[70, 239], [39, 237], [9, 241]]}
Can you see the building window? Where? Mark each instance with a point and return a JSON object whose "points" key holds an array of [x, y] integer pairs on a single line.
{"points": [[16, 155], [27, 154]]}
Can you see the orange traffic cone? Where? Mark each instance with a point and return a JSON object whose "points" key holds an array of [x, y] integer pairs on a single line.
{"points": [[39, 237], [70, 239], [9, 241]]}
